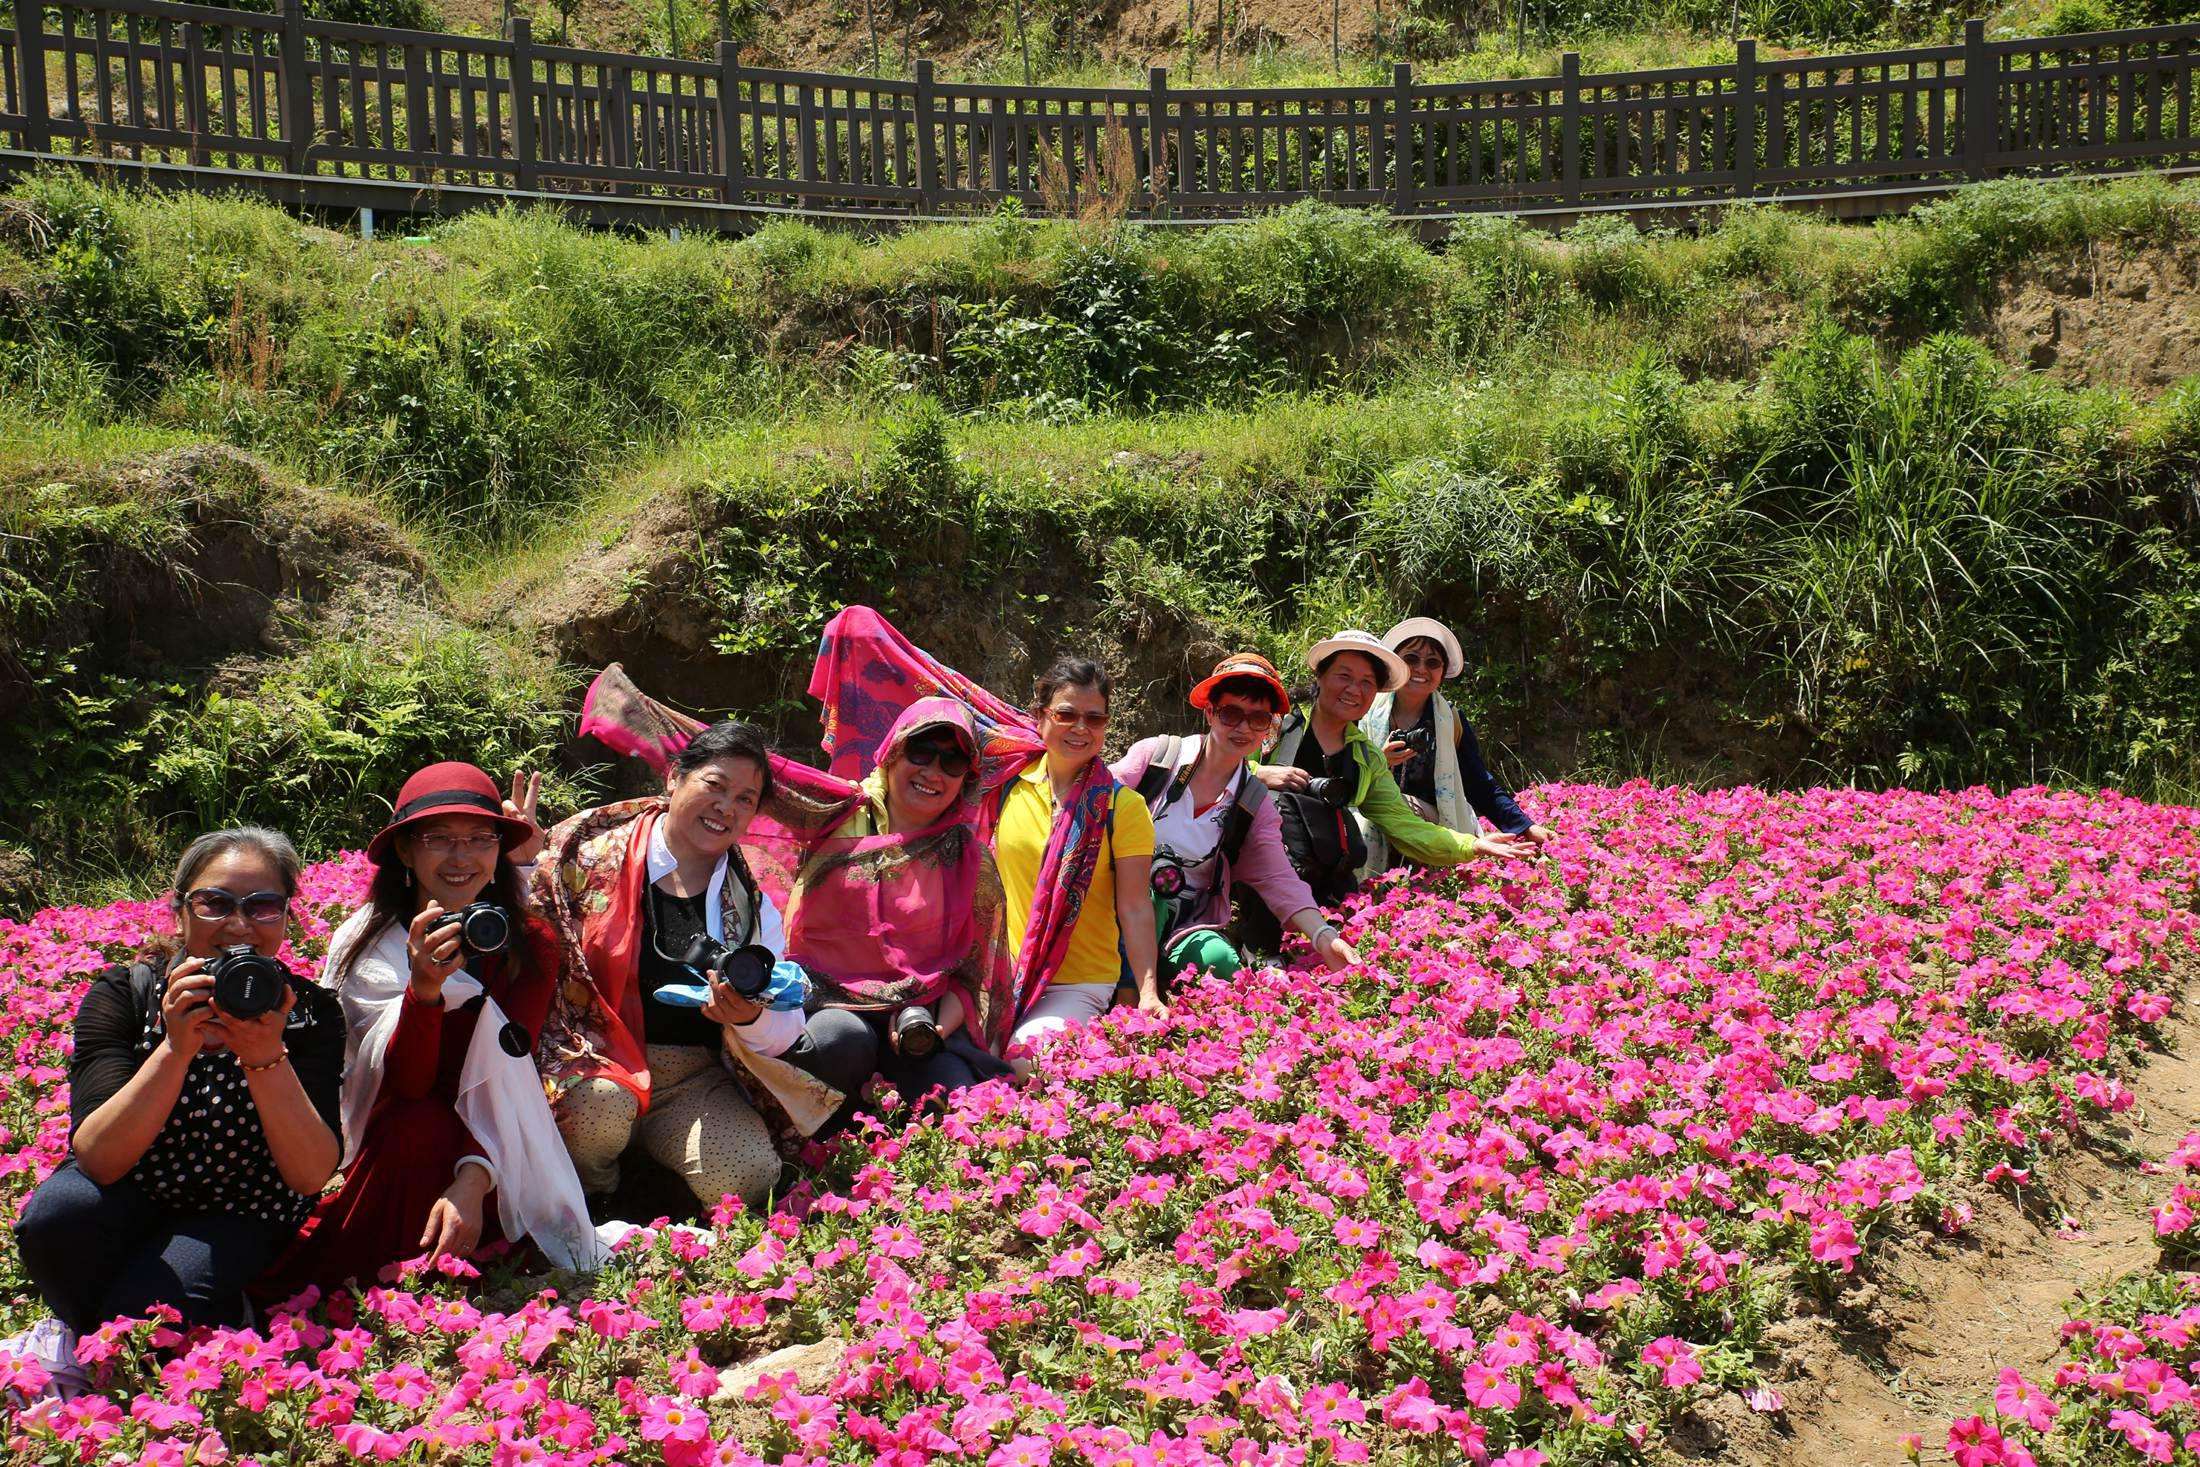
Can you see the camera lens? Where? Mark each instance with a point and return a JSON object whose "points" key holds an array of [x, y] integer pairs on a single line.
{"points": [[484, 928], [748, 969], [918, 1034], [247, 983]]}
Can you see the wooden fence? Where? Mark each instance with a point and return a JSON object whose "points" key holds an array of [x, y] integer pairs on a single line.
{"points": [[326, 113]]}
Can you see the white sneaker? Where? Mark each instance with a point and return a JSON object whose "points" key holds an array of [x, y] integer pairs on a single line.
{"points": [[50, 1345]]}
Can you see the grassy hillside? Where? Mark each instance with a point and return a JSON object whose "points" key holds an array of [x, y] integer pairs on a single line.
{"points": [[1781, 501]]}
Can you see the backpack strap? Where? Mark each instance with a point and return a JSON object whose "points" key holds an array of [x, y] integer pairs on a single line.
{"points": [[1238, 824], [1160, 769]]}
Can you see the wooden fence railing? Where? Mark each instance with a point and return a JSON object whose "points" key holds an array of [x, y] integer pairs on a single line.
{"points": [[345, 114]]}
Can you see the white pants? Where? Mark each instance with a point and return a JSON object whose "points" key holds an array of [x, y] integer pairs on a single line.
{"points": [[1064, 1004]]}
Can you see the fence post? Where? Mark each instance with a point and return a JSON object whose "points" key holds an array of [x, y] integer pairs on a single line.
{"points": [[521, 33], [416, 110], [30, 49], [1981, 103], [927, 159], [1401, 145], [1745, 119], [1157, 145], [729, 119], [297, 89], [194, 95], [1569, 125]]}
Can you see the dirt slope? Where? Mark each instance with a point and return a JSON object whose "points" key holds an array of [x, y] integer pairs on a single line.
{"points": [[1922, 1338], [2110, 317]]}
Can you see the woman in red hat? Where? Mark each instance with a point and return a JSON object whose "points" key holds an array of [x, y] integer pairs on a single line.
{"points": [[445, 978], [1216, 826]]}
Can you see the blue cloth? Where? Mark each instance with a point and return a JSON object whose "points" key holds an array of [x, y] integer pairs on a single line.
{"points": [[789, 988]]}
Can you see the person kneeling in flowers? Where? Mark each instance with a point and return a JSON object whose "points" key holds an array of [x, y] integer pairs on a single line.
{"points": [[1326, 771], [1431, 748], [202, 1105], [445, 978], [677, 1020], [1215, 825], [893, 903]]}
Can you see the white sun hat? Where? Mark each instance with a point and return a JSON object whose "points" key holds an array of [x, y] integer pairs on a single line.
{"points": [[1352, 639], [1455, 661]]}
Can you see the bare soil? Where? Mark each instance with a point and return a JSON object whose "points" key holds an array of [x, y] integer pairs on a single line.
{"points": [[1923, 1336], [2109, 316]]}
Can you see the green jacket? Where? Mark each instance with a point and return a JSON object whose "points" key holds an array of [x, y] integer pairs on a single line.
{"points": [[1380, 799]]}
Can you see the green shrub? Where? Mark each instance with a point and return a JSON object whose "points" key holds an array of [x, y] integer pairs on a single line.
{"points": [[1499, 286]]}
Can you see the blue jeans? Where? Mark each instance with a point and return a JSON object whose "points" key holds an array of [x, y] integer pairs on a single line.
{"points": [[97, 1252]]}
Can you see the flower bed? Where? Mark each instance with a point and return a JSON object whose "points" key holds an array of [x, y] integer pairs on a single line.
{"points": [[1521, 1191]]}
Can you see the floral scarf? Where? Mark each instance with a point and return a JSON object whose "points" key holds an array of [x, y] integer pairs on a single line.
{"points": [[590, 885], [879, 920]]}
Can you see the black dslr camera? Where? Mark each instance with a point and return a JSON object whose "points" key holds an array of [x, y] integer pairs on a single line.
{"points": [[746, 969], [483, 927], [1335, 791], [1421, 741], [247, 983]]}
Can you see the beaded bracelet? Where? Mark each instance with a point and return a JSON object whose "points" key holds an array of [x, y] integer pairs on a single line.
{"points": [[271, 1064]]}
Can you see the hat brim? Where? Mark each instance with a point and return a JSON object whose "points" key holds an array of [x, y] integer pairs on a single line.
{"points": [[1428, 627], [1203, 691], [1374, 652], [963, 739], [510, 832]]}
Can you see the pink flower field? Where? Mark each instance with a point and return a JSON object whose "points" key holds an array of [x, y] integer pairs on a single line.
{"points": [[1526, 1189]]}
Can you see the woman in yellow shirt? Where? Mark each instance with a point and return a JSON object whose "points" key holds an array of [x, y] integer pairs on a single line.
{"points": [[1075, 849]]}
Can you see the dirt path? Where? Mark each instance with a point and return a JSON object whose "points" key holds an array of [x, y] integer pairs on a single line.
{"points": [[1923, 1338]]}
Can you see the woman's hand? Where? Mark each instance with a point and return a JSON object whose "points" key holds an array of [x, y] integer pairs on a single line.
{"points": [[1334, 951], [454, 1222], [257, 1042], [1150, 1001], [1397, 751], [1501, 844], [526, 794], [187, 1006], [435, 954], [1541, 834], [727, 1006], [1281, 776]]}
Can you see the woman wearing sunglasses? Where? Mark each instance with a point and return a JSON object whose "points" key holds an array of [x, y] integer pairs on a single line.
{"points": [[199, 1136], [1431, 747], [1216, 826], [445, 978]]}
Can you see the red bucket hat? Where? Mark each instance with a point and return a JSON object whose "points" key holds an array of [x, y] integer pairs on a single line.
{"points": [[1242, 664], [449, 789]]}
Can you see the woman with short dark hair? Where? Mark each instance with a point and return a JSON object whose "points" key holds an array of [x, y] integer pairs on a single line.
{"points": [[676, 1022], [203, 1105]]}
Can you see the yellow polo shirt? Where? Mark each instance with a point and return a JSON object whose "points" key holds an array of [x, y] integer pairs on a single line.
{"points": [[1020, 845]]}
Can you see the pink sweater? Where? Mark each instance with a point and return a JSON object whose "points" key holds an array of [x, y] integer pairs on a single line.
{"points": [[1261, 862]]}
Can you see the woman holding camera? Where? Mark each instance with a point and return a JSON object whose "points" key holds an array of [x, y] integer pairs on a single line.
{"points": [[1216, 826], [1431, 748], [203, 1104], [675, 1022], [1328, 771], [445, 978]]}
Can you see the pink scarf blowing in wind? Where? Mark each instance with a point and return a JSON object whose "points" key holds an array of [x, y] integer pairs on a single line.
{"points": [[879, 920], [867, 672]]}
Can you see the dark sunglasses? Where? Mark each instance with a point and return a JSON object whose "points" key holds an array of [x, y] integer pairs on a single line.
{"points": [[213, 904], [1070, 718], [1259, 720], [953, 762], [1433, 661]]}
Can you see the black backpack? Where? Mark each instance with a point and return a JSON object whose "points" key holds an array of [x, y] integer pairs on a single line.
{"points": [[1324, 843]]}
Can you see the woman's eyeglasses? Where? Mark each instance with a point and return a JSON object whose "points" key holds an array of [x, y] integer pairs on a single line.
{"points": [[1423, 661], [1259, 720], [212, 904], [473, 845], [1070, 718], [952, 762]]}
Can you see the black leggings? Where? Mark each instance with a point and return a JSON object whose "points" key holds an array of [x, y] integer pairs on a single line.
{"points": [[839, 1048], [96, 1253]]}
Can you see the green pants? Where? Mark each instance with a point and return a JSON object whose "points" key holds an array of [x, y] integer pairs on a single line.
{"points": [[1200, 951]]}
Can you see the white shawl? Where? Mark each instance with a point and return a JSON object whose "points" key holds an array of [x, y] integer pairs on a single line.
{"points": [[500, 1096], [1452, 808]]}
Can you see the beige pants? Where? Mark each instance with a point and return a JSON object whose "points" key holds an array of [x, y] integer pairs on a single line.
{"points": [[699, 1125]]}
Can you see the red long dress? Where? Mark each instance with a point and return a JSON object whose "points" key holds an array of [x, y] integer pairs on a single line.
{"points": [[414, 1137]]}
